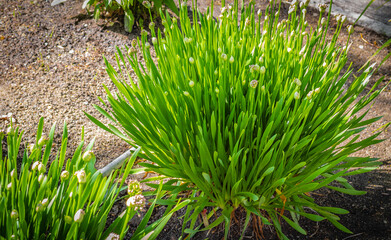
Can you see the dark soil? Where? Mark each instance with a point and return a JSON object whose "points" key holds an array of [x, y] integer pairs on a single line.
{"points": [[51, 66]]}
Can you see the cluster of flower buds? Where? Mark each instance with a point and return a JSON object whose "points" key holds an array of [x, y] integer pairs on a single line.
{"points": [[134, 188], [81, 176], [322, 8], [311, 93], [136, 202], [254, 83], [254, 68], [38, 166]]}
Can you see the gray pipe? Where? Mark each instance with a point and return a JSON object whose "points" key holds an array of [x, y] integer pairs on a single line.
{"points": [[116, 163]]}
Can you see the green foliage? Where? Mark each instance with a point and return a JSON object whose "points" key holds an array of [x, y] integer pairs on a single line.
{"points": [[130, 7], [62, 199], [246, 115]]}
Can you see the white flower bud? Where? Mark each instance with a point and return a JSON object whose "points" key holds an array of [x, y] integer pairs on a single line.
{"points": [[39, 207], [87, 156], [191, 84], [231, 59], [79, 215], [217, 90], [9, 186], [309, 95], [296, 95], [45, 202], [323, 21], [191, 60], [343, 19], [259, 12], [81, 176], [13, 173], [260, 59], [289, 50], [324, 64], [41, 177], [147, 45], [186, 93], [154, 41], [64, 175], [10, 131], [253, 83], [224, 56], [262, 70], [216, 72], [42, 141], [219, 50], [41, 168], [31, 147], [297, 82], [14, 214], [317, 90]]}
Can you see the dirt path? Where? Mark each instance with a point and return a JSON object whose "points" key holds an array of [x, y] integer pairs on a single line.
{"points": [[51, 66]]}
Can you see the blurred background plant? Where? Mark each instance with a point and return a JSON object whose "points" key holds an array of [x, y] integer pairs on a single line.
{"points": [[44, 198], [244, 115], [131, 9]]}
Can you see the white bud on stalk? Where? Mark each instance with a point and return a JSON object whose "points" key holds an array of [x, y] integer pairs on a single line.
{"points": [[317, 90], [224, 56], [45, 202], [64, 175], [41, 168], [296, 95], [297, 82], [14, 214], [13, 173], [191, 60], [309, 95], [323, 21], [81, 176], [154, 41], [231, 59], [10, 131], [9, 186], [186, 93], [253, 83], [87, 156], [262, 69], [79, 215], [42, 141]]}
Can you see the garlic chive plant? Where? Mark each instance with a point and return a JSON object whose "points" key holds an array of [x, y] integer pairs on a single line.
{"points": [[245, 115], [63, 199]]}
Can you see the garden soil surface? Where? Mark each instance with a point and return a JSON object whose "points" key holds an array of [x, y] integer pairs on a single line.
{"points": [[51, 66]]}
